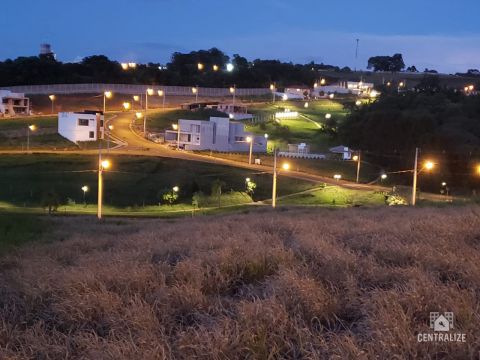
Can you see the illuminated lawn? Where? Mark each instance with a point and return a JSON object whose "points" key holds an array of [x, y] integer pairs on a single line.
{"points": [[335, 196]]}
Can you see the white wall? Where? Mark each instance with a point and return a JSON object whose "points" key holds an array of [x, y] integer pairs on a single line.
{"points": [[68, 126]]}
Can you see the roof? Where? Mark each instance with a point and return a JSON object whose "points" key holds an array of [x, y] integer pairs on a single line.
{"points": [[339, 149]]}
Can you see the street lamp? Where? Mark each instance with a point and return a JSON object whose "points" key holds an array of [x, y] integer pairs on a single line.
{"points": [[358, 159], [383, 176], [176, 189], [138, 115], [84, 189], [328, 116], [126, 106], [272, 89], [305, 105], [230, 67], [358, 103], [163, 94], [177, 128], [285, 167], [124, 66], [233, 90], [106, 95], [148, 92], [52, 99], [322, 82], [200, 66], [29, 128], [195, 92], [102, 165], [136, 98], [428, 165], [250, 141], [337, 177], [215, 67]]}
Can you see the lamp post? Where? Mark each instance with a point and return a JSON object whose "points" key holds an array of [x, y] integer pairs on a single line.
{"points": [[250, 141], [147, 93], [52, 99], [285, 167], [358, 159], [106, 95], [162, 93], [29, 128], [102, 165], [177, 128], [272, 89], [84, 189], [195, 92], [428, 166], [233, 91]]}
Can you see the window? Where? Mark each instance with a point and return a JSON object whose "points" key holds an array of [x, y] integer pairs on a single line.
{"points": [[101, 123], [91, 135], [239, 138], [82, 122], [195, 128]]}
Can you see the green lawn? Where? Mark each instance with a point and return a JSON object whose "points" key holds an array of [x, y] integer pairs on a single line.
{"points": [[306, 128], [335, 196], [41, 122], [135, 182]]}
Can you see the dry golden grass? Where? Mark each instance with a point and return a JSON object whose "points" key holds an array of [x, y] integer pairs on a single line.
{"points": [[297, 284]]}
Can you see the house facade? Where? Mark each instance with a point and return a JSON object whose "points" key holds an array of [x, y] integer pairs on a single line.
{"points": [[81, 126], [12, 104], [217, 134]]}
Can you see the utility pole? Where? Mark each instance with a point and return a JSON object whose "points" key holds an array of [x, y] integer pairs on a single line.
{"points": [[415, 174], [358, 165], [100, 183], [145, 116], [356, 54], [274, 186]]}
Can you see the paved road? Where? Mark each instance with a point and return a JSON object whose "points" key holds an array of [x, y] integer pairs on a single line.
{"points": [[130, 143]]}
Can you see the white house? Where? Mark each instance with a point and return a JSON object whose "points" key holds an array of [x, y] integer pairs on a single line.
{"points": [[12, 104], [344, 87], [218, 134], [235, 111], [81, 126], [344, 151]]}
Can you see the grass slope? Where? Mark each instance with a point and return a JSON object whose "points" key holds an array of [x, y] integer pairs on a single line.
{"points": [[344, 284]]}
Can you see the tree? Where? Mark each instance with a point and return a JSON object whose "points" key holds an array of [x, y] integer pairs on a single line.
{"points": [[217, 190], [393, 63], [250, 187], [412, 68], [198, 200], [169, 196]]}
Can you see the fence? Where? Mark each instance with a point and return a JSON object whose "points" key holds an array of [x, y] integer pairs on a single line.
{"points": [[131, 90]]}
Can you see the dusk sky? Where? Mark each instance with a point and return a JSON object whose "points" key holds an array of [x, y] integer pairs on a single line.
{"points": [[438, 34]]}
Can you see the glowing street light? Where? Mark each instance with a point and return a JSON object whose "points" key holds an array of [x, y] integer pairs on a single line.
{"points": [[176, 189], [285, 167], [85, 190], [265, 136], [249, 140], [383, 176], [215, 67], [132, 65], [176, 127], [305, 105], [52, 99], [427, 165], [233, 91], [124, 66], [285, 97], [272, 89], [323, 82], [444, 184], [315, 85], [331, 96], [163, 95], [138, 115], [358, 103], [148, 92], [136, 98], [102, 166], [230, 67], [195, 92], [200, 66], [328, 116], [29, 129], [126, 106]]}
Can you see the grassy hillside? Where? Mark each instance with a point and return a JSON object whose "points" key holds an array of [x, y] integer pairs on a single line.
{"points": [[344, 284]]}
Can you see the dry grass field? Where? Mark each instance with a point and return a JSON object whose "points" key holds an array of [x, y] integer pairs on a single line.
{"points": [[294, 284]]}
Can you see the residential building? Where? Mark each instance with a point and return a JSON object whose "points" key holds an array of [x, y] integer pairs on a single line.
{"points": [[12, 104], [234, 111], [344, 87], [342, 151], [217, 134], [81, 126], [300, 151]]}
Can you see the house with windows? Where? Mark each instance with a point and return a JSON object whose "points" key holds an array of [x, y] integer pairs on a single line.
{"points": [[81, 126], [12, 104], [217, 134]]}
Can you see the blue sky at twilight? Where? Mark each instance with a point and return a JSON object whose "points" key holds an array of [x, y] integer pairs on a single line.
{"points": [[440, 34]]}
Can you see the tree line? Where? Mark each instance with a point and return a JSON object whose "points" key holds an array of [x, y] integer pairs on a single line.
{"points": [[182, 70]]}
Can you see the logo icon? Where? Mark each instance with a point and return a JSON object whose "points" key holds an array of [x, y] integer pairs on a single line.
{"points": [[441, 322]]}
